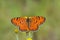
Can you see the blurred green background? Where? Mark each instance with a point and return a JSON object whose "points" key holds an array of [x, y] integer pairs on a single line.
{"points": [[50, 9]]}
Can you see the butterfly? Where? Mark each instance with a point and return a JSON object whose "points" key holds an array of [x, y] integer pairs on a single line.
{"points": [[28, 23]]}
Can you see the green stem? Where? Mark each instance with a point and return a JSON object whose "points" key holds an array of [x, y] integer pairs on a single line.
{"points": [[29, 34], [17, 37]]}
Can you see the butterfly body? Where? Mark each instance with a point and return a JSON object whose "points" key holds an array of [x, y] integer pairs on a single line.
{"points": [[28, 23]]}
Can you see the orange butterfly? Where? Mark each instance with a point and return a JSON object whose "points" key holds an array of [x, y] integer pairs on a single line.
{"points": [[28, 23]]}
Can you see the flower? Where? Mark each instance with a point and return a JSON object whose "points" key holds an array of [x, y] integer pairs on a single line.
{"points": [[16, 30], [29, 38]]}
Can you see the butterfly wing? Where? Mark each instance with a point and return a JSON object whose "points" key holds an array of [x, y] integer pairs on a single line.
{"points": [[21, 22], [35, 22]]}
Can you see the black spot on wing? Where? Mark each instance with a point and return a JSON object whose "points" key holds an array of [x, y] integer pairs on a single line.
{"points": [[21, 22], [17, 18], [38, 17]]}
